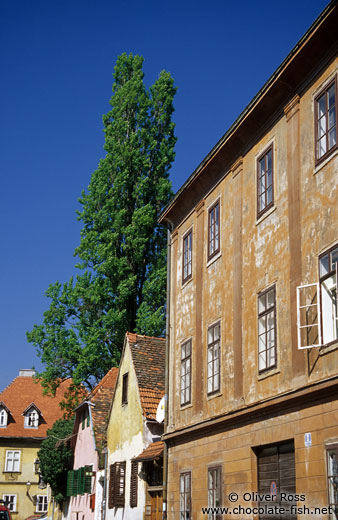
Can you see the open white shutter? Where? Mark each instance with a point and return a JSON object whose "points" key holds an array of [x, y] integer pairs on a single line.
{"points": [[308, 316]]}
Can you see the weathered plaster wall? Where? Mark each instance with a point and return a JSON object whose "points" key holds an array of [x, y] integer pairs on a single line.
{"points": [[280, 248], [126, 437], [234, 451]]}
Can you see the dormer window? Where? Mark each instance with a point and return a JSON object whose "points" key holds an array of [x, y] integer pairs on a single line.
{"points": [[4, 413], [32, 416], [3, 418]]}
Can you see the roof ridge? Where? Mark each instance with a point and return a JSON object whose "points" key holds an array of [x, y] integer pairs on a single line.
{"points": [[130, 334], [100, 384]]}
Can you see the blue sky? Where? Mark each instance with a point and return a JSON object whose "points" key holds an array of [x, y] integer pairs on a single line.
{"points": [[57, 59]]}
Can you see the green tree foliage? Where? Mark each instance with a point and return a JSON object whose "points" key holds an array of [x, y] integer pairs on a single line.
{"points": [[122, 251], [56, 458]]}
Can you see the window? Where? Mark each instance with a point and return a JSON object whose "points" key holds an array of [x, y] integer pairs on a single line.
{"points": [[326, 121], [186, 373], [125, 389], [79, 481], [117, 485], [3, 417], [10, 502], [187, 257], [185, 496], [31, 418], [133, 483], [267, 329], [12, 461], [214, 491], [332, 475], [213, 231], [41, 504], [328, 295], [214, 339], [85, 418], [264, 182]]}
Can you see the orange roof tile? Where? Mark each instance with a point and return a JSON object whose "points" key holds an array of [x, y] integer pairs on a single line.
{"points": [[19, 395], [148, 355], [153, 452], [101, 397]]}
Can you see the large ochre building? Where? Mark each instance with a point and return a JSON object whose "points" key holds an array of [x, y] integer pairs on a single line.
{"points": [[253, 332]]}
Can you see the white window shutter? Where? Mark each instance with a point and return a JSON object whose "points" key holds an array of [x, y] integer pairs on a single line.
{"points": [[308, 316]]}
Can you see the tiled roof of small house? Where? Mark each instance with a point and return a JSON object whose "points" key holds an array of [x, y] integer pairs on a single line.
{"points": [[101, 397], [148, 355], [24, 392], [153, 452]]}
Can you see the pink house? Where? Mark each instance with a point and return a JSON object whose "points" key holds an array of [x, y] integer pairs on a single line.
{"points": [[84, 486]]}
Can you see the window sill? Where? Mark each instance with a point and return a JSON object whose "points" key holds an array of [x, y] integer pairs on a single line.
{"points": [[186, 282], [185, 406], [214, 258], [212, 396], [330, 347], [265, 215], [268, 373], [323, 163]]}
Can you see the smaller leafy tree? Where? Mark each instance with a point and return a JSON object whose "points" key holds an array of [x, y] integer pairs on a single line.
{"points": [[56, 457]]}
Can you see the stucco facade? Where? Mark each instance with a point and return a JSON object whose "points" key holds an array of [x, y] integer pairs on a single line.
{"points": [[25, 416], [248, 391], [132, 424], [86, 480]]}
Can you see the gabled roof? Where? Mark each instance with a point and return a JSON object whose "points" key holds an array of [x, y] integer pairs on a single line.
{"points": [[148, 354], [24, 392], [101, 397], [2, 405], [32, 405]]}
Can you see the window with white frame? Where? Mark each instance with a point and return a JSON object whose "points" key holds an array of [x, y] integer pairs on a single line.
{"points": [[328, 294], [214, 347], [41, 503], [10, 502], [12, 463], [31, 418], [3, 417], [332, 475], [267, 329], [317, 305]]}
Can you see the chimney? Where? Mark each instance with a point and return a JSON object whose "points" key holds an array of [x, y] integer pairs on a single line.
{"points": [[27, 372]]}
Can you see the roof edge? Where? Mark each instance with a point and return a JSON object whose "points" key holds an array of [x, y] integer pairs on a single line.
{"points": [[254, 102]]}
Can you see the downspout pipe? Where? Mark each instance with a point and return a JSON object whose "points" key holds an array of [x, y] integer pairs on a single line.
{"points": [[166, 384], [104, 497]]}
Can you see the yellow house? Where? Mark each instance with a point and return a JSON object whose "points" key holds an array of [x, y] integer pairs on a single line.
{"points": [[25, 416], [135, 449]]}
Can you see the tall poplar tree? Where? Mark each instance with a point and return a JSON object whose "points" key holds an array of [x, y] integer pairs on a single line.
{"points": [[121, 283]]}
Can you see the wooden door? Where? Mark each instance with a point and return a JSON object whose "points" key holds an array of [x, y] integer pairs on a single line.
{"points": [[276, 474], [156, 505]]}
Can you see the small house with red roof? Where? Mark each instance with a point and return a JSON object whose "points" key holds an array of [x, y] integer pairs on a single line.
{"points": [[135, 449], [26, 414], [85, 481]]}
